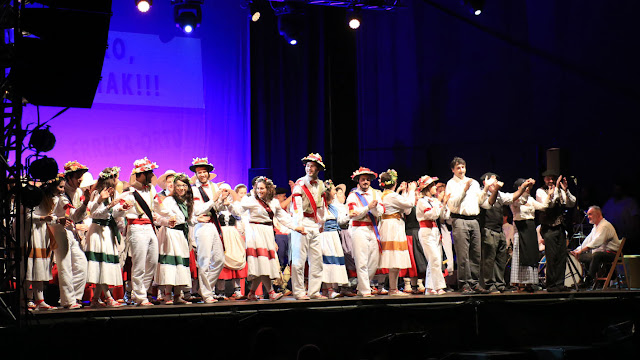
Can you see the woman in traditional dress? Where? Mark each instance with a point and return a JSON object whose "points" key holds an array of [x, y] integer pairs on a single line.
{"points": [[428, 211], [262, 259], [395, 249], [175, 215], [334, 272], [103, 238], [526, 257], [41, 241]]}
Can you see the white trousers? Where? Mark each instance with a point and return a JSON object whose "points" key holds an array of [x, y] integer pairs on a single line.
{"points": [[210, 257], [366, 253], [144, 259], [72, 268], [430, 241], [303, 247]]}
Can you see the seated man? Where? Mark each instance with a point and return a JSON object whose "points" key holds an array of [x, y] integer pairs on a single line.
{"points": [[600, 246]]}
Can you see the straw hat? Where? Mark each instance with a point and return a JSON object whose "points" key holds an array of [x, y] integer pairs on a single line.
{"points": [[162, 180], [363, 171], [316, 158]]}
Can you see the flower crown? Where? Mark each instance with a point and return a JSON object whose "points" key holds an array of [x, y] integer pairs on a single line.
{"points": [[176, 175], [329, 184], [109, 172], [393, 180], [265, 179]]}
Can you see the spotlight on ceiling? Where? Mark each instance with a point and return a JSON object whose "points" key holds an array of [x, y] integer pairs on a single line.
{"points": [[31, 196], [354, 19], [290, 20], [187, 14], [475, 6], [144, 5], [255, 13], [42, 140]]}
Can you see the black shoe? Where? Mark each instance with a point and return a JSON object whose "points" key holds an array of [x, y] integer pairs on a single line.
{"points": [[480, 290], [468, 291]]}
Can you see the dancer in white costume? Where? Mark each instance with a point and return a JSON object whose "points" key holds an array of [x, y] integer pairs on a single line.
{"points": [[40, 240], [395, 249], [428, 211], [175, 215], [102, 240], [334, 272]]}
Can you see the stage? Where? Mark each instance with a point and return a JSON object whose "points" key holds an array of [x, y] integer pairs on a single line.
{"points": [[512, 325]]}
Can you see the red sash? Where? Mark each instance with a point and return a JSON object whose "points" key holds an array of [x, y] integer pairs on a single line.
{"points": [[312, 201]]}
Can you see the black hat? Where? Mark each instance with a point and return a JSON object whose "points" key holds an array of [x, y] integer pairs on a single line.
{"points": [[280, 190]]}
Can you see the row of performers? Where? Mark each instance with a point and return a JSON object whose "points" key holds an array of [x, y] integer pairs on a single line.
{"points": [[158, 232]]}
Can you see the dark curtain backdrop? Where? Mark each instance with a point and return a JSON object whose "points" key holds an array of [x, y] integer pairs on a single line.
{"points": [[499, 89], [303, 96]]}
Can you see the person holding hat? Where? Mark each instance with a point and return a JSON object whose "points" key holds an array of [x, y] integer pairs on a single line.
{"points": [[552, 227], [395, 248], [309, 212], [209, 246], [235, 254], [526, 256], [103, 239], [464, 203], [137, 204], [165, 181], [364, 211], [69, 256], [494, 241], [429, 211]]}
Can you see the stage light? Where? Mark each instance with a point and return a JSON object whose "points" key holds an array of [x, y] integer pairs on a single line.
{"points": [[43, 169], [290, 21], [475, 6], [42, 140], [187, 14], [144, 5], [354, 19], [255, 14]]}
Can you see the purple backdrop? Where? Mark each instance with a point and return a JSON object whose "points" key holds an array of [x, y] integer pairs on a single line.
{"points": [[164, 95]]}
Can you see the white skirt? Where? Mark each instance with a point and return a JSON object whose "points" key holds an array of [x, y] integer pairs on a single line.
{"points": [[103, 261], [333, 267], [173, 262], [262, 258], [395, 249], [235, 251], [39, 260]]}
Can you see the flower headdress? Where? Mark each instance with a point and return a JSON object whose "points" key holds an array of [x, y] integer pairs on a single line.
{"points": [[143, 165], [363, 171], [109, 172], [265, 179], [59, 177], [73, 166], [394, 177]]}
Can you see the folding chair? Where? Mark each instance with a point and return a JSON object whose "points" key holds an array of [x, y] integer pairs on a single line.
{"points": [[617, 261]]}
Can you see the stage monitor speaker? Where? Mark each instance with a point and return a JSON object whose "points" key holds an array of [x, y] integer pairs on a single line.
{"points": [[558, 160], [59, 62]]}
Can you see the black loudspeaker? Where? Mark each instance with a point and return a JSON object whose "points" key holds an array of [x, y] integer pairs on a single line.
{"points": [[59, 61], [558, 160], [253, 172]]}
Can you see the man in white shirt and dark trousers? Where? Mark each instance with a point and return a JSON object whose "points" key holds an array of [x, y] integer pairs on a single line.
{"points": [[552, 228], [599, 247], [464, 204]]}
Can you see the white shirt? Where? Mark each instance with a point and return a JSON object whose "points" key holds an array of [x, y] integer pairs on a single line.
{"points": [[358, 211], [461, 202], [429, 208], [393, 202], [603, 237], [525, 207], [302, 203], [257, 213]]}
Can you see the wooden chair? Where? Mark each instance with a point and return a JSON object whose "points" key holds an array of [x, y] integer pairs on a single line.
{"points": [[617, 261]]}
